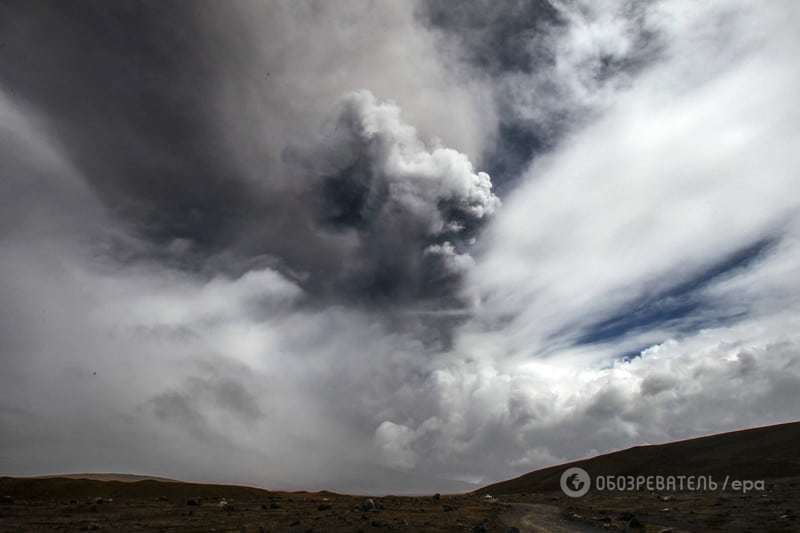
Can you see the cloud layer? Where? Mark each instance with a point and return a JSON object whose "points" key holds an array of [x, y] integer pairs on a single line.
{"points": [[231, 252]]}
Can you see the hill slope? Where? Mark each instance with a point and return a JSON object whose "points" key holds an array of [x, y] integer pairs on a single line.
{"points": [[103, 476], [64, 488], [760, 453]]}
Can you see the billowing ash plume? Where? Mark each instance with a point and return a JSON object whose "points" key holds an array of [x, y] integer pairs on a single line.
{"points": [[214, 266], [408, 212]]}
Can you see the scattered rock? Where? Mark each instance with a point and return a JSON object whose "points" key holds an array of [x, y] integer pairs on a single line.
{"points": [[274, 505], [368, 505], [633, 523], [376, 523], [192, 502], [448, 508], [324, 507], [512, 529], [481, 528]]}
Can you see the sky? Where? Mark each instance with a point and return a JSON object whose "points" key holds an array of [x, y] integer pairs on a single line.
{"points": [[392, 247]]}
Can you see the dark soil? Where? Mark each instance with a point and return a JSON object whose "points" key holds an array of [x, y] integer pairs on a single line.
{"points": [[58, 504]]}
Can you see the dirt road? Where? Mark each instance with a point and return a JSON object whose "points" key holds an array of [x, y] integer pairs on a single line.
{"points": [[541, 518]]}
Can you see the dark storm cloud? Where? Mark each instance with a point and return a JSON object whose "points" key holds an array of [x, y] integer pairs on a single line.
{"points": [[497, 38], [131, 90], [494, 36], [542, 80], [124, 88], [146, 153], [145, 158]]}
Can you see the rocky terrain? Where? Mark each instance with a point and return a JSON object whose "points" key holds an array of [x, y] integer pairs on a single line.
{"points": [[59, 504]]}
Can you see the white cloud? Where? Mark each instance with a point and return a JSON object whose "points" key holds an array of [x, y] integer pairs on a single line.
{"points": [[393, 441], [416, 179], [668, 181], [693, 161]]}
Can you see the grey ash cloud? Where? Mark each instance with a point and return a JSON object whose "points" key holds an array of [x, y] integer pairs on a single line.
{"points": [[495, 39], [133, 69], [496, 36], [130, 89], [408, 213], [268, 236], [155, 154], [548, 77]]}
